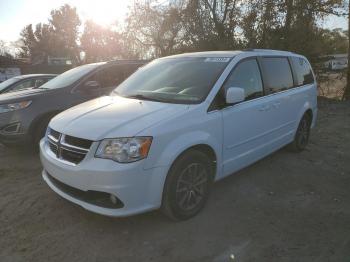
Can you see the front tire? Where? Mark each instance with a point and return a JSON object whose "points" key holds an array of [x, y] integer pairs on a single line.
{"points": [[39, 133], [187, 186]]}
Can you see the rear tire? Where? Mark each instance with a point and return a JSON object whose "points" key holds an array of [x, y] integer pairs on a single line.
{"points": [[301, 138], [187, 186]]}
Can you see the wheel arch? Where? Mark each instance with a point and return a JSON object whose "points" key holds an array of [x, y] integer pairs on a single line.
{"points": [[306, 109], [164, 154], [46, 116], [309, 113], [203, 148]]}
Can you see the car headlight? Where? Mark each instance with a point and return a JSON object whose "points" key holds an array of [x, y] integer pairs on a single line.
{"points": [[14, 106], [124, 150]]}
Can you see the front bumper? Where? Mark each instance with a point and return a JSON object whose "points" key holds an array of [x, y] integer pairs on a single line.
{"points": [[138, 189]]}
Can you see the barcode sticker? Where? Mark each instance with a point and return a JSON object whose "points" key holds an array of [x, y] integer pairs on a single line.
{"points": [[217, 59]]}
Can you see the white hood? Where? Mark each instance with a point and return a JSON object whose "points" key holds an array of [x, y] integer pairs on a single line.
{"points": [[110, 117]]}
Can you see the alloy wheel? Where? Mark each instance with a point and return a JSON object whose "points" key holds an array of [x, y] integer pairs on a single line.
{"points": [[303, 133], [191, 186]]}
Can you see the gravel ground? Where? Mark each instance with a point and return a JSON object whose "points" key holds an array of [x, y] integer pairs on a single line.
{"points": [[286, 207]]}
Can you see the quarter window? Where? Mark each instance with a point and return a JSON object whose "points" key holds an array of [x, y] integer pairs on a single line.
{"points": [[303, 71], [247, 76], [278, 74]]}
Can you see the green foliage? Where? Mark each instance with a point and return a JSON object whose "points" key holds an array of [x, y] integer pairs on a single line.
{"points": [[100, 43], [56, 38], [154, 30], [199, 25]]}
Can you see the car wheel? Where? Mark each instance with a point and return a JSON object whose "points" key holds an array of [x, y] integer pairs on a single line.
{"points": [[302, 134], [187, 186]]}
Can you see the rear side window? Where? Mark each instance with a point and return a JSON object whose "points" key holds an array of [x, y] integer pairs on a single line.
{"points": [[278, 74], [108, 77], [130, 69], [247, 76], [114, 75], [303, 71], [39, 82]]}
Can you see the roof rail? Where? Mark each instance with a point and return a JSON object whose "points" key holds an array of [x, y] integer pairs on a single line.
{"points": [[266, 50], [128, 60]]}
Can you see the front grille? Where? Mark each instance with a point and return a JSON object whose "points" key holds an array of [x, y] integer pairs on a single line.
{"points": [[68, 148], [53, 148], [83, 143], [54, 134], [71, 156]]}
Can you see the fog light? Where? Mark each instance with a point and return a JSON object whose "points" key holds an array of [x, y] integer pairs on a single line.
{"points": [[113, 199], [12, 128]]}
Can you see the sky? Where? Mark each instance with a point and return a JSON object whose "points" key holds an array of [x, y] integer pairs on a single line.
{"points": [[15, 14]]}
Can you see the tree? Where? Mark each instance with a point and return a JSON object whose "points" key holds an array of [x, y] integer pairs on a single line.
{"points": [[56, 38], [333, 41], [28, 40], [212, 24], [64, 24], [100, 43], [155, 29], [5, 50]]}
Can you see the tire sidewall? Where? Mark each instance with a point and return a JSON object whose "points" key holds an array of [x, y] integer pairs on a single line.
{"points": [[169, 199], [296, 140]]}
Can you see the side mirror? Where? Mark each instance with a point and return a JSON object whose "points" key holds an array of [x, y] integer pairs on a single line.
{"points": [[91, 85], [234, 95]]}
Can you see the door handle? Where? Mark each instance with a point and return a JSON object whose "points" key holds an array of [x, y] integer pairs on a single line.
{"points": [[265, 108]]}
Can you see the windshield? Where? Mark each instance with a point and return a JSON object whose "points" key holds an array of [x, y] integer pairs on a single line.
{"points": [[69, 77], [8, 82], [174, 80]]}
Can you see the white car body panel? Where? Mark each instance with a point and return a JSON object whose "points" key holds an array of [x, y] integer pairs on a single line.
{"points": [[112, 117]]}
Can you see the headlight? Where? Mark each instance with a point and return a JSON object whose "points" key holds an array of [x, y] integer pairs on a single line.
{"points": [[14, 106], [124, 150]]}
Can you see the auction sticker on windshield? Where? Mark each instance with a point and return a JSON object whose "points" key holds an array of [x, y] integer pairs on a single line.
{"points": [[217, 59]]}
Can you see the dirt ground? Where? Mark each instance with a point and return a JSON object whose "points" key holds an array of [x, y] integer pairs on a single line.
{"points": [[286, 207]]}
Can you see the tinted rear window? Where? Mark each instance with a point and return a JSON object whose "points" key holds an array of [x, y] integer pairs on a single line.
{"points": [[303, 71], [278, 74]]}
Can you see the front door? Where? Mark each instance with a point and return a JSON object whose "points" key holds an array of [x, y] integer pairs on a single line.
{"points": [[247, 125]]}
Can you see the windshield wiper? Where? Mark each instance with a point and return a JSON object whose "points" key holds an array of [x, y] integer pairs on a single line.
{"points": [[142, 97]]}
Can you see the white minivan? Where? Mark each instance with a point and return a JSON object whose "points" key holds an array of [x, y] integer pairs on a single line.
{"points": [[175, 126]]}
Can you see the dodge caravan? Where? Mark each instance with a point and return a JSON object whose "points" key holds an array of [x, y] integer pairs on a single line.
{"points": [[174, 127]]}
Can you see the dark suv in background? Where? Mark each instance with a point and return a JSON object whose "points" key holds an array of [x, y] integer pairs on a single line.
{"points": [[24, 115], [24, 82]]}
